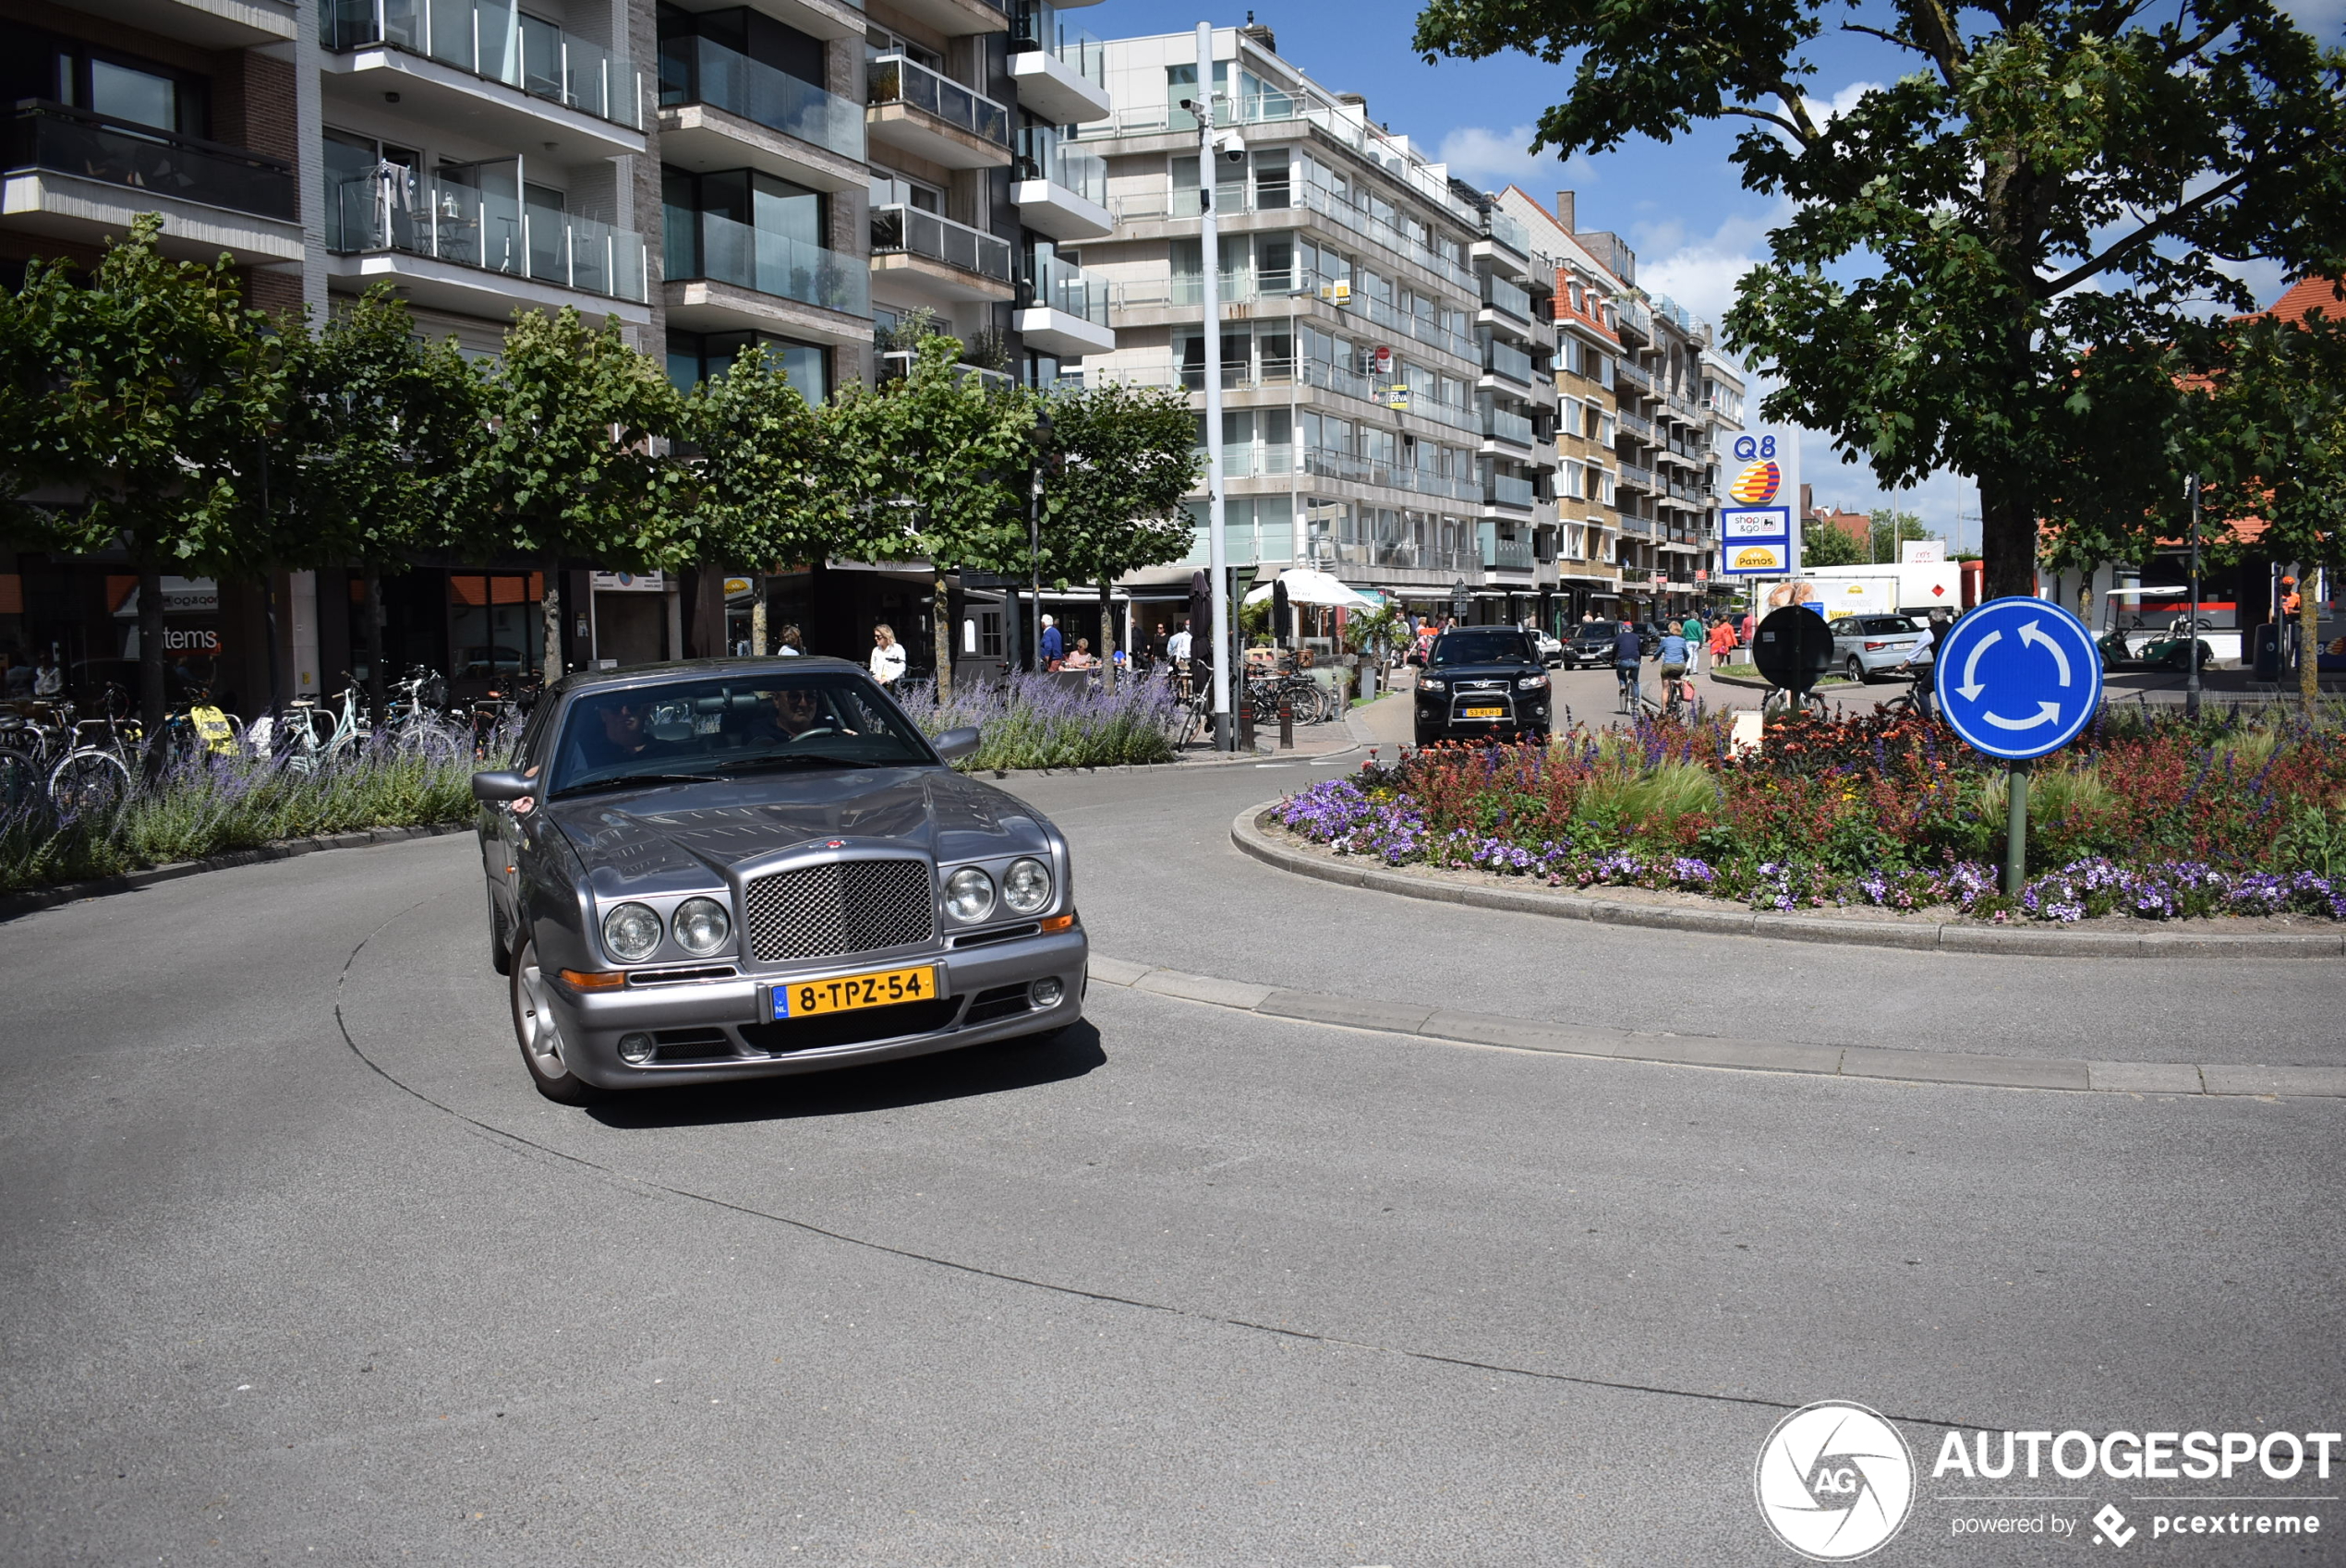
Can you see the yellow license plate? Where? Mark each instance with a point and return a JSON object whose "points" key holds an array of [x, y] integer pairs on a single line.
{"points": [[1486, 713], [881, 988]]}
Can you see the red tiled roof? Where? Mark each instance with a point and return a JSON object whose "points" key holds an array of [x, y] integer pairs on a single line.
{"points": [[2305, 293]]}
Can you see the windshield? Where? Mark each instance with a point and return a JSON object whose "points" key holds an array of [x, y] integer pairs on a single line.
{"points": [[723, 728], [1483, 647]]}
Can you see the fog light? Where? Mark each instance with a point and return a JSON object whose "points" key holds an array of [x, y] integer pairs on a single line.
{"points": [[635, 1049], [1046, 993]]}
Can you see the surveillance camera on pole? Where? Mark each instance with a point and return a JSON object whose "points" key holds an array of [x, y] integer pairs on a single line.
{"points": [[1232, 145]]}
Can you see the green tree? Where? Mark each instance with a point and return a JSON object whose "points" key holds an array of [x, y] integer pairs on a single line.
{"points": [[380, 439], [156, 392], [932, 467], [2047, 184], [1887, 528], [1822, 544], [578, 459], [1113, 502], [2268, 434], [768, 488]]}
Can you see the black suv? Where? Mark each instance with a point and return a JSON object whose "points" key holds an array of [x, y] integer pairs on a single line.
{"points": [[1591, 644], [1481, 681]]}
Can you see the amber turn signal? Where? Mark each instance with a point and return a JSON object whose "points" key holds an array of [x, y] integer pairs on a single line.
{"points": [[1058, 922], [580, 981]]}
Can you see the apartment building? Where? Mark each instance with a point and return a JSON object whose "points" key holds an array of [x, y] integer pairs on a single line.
{"points": [[1388, 398], [821, 176], [1671, 397]]}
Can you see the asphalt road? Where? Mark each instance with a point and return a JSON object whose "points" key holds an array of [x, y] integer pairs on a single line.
{"points": [[300, 1269]]}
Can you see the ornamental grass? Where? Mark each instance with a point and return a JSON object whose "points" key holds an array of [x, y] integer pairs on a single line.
{"points": [[1043, 722], [2150, 816]]}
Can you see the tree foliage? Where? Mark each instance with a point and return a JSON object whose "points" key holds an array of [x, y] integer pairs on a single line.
{"points": [[1826, 544], [1984, 250], [765, 486]]}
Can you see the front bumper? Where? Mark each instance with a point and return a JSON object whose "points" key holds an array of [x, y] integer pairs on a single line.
{"points": [[731, 1040], [1517, 710]]}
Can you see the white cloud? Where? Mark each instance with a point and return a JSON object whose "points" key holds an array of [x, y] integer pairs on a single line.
{"points": [[1841, 103], [1700, 272], [1494, 160]]}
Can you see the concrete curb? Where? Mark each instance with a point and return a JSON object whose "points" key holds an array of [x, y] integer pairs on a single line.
{"points": [[2046, 942], [14, 904], [1954, 1067]]}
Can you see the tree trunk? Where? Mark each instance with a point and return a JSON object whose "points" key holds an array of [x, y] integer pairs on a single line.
{"points": [[151, 664], [2007, 542], [1108, 638], [2309, 658], [758, 644], [370, 611], [941, 625], [551, 666]]}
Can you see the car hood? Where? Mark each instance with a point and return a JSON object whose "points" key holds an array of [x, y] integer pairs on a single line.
{"points": [[672, 837]]}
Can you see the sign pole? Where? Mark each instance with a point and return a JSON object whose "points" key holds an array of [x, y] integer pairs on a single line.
{"points": [[2016, 829], [1216, 547]]}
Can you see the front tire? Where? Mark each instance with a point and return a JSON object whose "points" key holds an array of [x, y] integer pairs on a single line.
{"points": [[537, 1031], [1854, 669]]}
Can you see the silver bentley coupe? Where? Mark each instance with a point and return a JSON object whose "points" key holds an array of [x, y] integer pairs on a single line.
{"points": [[735, 868]]}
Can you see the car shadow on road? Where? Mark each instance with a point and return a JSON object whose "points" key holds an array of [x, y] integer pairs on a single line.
{"points": [[999, 1068]]}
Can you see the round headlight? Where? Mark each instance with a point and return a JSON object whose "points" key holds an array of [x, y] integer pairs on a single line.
{"points": [[632, 933], [968, 894], [1027, 887], [702, 926]]}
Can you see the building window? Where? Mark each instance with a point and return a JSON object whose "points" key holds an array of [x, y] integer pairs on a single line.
{"points": [[694, 358]]}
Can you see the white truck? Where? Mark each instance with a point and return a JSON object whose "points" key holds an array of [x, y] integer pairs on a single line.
{"points": [[1915, 588]]}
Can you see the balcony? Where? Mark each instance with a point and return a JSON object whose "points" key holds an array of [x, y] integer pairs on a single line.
{"points": [[1508, 489], [938, 257], [1632, 374], [1635, 476], [742, 277], [1642, 428], [482, 69], [464, 240], [1066, 314], [1500, 554], [1064, 196], [1505, 244], [1506, 359], [956, 19], [1060, 76], [78, 177], [208, 24], [817, 138], [1500, 425], [1508, 299], [935, 117]]}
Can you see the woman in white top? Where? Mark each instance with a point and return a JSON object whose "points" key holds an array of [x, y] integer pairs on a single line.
{"points": [[888, 659]]}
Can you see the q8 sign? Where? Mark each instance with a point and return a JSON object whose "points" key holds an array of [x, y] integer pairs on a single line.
{"points": [[1758, 503]]}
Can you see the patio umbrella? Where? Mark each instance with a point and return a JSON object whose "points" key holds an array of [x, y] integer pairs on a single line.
{"points": [[1201, 618], [1306, 585], [1282, 615]]}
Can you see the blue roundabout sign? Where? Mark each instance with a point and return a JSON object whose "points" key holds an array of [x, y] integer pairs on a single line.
{"points": [[2019, 678]]}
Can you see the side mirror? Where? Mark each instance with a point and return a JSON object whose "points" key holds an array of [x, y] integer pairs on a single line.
{"points": [[501, 785], [955, 744]]}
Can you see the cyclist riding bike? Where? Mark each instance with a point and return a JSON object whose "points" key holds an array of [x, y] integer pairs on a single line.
{"points": [[1628, 651], [1674, 666]]}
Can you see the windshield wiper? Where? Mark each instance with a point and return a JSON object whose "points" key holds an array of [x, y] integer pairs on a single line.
{"points": [[791, 759], [629, 780]]}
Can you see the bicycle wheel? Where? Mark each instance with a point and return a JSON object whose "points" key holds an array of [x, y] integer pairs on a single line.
{"points": [[19, 779], [430, 739], [89, 781]]}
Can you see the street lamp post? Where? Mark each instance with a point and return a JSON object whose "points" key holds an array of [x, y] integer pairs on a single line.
{"points": [[2191, 628], [1209, 245]]}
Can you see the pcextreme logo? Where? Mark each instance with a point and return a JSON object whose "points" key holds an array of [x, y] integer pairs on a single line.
{"points": [[1834, 1481]]}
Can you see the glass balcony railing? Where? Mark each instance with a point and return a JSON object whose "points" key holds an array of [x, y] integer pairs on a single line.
{"points": [[1063, 286], [1508, 231], [1085, 174], [901, 229], [1506, 359], [493, 39], [699, 70], [1504, 425], [1039, 27], [474, 217], [733, 253], [1502, 295], [895, 80], [1506, 490], [70, 142], [1504, 554], [1629, 371]]}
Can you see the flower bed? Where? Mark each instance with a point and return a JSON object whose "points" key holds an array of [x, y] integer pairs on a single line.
{"points": [[2149, 817], [1043, 722]]}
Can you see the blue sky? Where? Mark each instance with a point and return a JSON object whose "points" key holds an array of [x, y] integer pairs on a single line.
{"points": [[1680, 206]]}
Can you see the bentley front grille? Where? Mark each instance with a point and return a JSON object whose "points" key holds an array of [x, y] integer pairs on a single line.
{"points": [[820, 911]]}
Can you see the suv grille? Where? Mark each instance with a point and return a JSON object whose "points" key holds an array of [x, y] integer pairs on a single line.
{"points": [[820, 911]]}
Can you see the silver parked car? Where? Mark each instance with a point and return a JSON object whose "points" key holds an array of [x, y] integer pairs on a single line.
{"points": [[1867, 645], [730, 869]]}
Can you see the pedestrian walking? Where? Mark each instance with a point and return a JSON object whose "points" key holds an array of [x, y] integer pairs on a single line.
{"points": [[1691, 630], [887, 657], [1722, 643], [791, 643], [1054, 644], [1629, 650]]}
